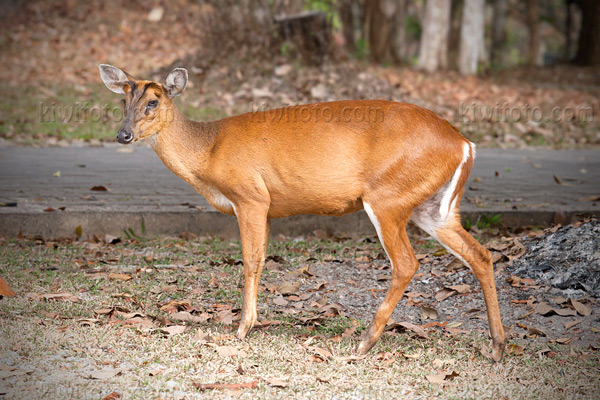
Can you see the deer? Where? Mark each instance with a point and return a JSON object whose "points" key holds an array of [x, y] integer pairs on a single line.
{"points": [[397, 161]]}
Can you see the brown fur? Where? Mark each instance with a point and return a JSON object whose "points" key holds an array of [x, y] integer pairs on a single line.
{"points": [[315, 159]]}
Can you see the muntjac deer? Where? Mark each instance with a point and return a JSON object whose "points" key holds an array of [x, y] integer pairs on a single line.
{"points": [[396, 161]]}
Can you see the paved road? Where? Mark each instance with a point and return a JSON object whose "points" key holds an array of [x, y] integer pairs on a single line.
{"points": [[520, 184]]}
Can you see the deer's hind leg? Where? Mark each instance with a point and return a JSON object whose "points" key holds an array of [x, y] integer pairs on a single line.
{"points": [[444, 225], [391, 229]]}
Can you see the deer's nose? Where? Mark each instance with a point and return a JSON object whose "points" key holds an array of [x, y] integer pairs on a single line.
{"points": [[124, 136]]}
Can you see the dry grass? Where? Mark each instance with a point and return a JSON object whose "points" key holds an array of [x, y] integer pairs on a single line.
{"points": [[57, 353]]}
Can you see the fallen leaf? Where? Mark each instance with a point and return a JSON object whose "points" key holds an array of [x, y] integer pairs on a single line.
{"points": [[589, 198], [442, 363], [105, 373], [173, 330], [428, 313], [557, 180], [280, 301], [350, 330], [321, 352], [515, 350], [121, 277], [60, 296], [174, 306], [462, 289], [407, 326], [316, 358], [440, 378], [286, 288], [110, 239], [227, 351], [272, 266], [580, 308], [569, 325], [155, 372], [99, 188], [276, 382], [560, 341], [112, 396], [305, 270], [185, 316], [89, 321], [350, 359], [544, 309]]}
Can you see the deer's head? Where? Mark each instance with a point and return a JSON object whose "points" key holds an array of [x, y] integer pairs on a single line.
{"points": [[148, 106]]}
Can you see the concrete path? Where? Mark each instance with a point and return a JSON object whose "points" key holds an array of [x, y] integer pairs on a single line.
{"points": [[143, 195]]}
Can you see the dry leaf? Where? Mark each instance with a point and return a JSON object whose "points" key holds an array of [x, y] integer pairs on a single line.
{"points": [[105, 373], [444, 294], [580, 308], [569, 325], [60, 296], [112, 396], [316, 358], [560, 341], [515, 350], [173, 330], [280, 301], [99, 188], [407, 326], [176, 305], [544, 309], [185, 316], [440, 378], [443, 363], [350, 359], [121, 277], [276, 382], [350, 330], [227, 351], [286, 288], [428, 313], [321, 352]]}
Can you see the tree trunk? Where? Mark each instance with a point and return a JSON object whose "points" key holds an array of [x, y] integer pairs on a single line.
{"points": [[433, 51], [534, 33], [398, 33], [347, 19], [471, 36], [380, 19], [454, 34], [588, 51], [498, 31]]}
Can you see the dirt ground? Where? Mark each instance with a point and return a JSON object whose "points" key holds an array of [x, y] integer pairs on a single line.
{"points": [[148, 318]]}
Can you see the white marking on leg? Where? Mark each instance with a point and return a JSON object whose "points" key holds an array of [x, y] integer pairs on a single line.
{"points": [[375, 223], [445, 205]]}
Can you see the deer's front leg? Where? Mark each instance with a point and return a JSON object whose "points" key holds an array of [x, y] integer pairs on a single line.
{"points": [[254, 231]]}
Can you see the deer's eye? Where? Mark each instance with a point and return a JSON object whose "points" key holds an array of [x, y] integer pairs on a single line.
{"points": [[152, 103]]}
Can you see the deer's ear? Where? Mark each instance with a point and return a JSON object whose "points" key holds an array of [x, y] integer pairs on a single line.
{"points": [[113, 78], [176, 82]]}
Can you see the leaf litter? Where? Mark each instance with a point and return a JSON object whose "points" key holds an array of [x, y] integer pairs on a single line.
{"points": [[315, 306]]}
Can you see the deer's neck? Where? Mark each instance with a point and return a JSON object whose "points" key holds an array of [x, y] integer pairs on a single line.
{"points": [[184, 146]]}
